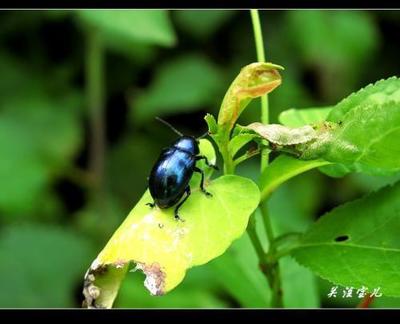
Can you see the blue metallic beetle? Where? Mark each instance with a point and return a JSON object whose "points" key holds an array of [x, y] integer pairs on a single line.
{"points": [[170, 176]]}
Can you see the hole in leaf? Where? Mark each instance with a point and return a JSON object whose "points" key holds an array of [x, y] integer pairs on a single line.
{"points": [[342, 238]]}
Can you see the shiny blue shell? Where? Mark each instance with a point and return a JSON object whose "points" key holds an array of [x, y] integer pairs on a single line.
{"points": [[172, 172]]}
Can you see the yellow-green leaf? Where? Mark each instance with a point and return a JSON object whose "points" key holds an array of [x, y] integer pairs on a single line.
{"points": [[164, 248]]}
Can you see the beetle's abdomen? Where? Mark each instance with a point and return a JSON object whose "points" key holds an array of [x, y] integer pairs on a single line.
{"points": [[170, 177]]}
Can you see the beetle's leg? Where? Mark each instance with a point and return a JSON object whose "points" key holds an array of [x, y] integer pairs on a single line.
{"points": [[196, 169], [203, 157], [152, 205], [188, 192]]}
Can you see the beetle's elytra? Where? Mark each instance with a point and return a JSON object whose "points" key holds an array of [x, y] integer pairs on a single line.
{"points": [[170, 175]]}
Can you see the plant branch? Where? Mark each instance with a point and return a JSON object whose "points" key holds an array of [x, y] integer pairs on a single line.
{"points": [[261, 58], [366, 302], [94, 69], [263, 264], [272, 270], [272, 260]]}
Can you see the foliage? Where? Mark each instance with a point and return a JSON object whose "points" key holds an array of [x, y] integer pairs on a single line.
{"points": [[329, 194]]}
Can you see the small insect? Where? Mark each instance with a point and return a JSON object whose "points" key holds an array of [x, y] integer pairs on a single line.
{"points": [[170, 175]]}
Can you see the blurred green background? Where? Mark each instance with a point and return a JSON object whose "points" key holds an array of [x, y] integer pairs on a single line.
{"points": [[72, 78]]}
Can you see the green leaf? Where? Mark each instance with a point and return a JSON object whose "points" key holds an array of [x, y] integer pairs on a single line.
{"points": [[211, 123], [142, 26], [364, 132], [34, 153], [41, 265], [357, 244], [164, 248], [301, 117], [339, 38], [338, 45], [184, 84], [282, 169], [375, 94], [369, 183], [367, 139], [140, 54], [335, 170], [238, 141], [202, 23]]}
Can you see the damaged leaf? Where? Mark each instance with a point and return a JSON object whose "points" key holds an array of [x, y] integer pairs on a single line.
{"points": [[282, 135], [367, 139], [164, 248], [357, 244]]}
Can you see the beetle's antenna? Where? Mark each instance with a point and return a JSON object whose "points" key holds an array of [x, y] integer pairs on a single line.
{"points": [[169, 125], [202, 136]]}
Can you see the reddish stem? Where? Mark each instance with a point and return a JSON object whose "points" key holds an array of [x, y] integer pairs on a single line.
{"points": [[366, 302]]}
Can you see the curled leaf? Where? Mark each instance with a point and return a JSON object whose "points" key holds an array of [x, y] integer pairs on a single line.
{"points": [[254, 80]]}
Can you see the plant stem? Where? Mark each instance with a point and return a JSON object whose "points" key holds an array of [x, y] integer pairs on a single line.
{"points": [[366, 302], [272, 260], [94, 69], [270, 263], [229, 166], [264, 267], [261, 58]]}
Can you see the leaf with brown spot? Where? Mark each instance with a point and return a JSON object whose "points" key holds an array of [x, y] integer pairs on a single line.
{"points": [[164, 253]]}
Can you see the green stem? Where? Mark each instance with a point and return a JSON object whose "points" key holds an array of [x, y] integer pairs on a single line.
{"points": [[267, 224], [272, 260], [229, 166], [272, 266], [94, 70], [263, 264], [245, 156], [261, 58]]}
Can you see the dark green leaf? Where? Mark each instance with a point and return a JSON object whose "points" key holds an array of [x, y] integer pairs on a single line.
{"points": [[38, 137], [202, 23], [357, 244], [41, 265], [181, 85], [337, 37], [142, 26]]}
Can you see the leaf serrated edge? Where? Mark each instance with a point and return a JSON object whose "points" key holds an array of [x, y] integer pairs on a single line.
{"points": [[362, 91], [292, 253]]}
